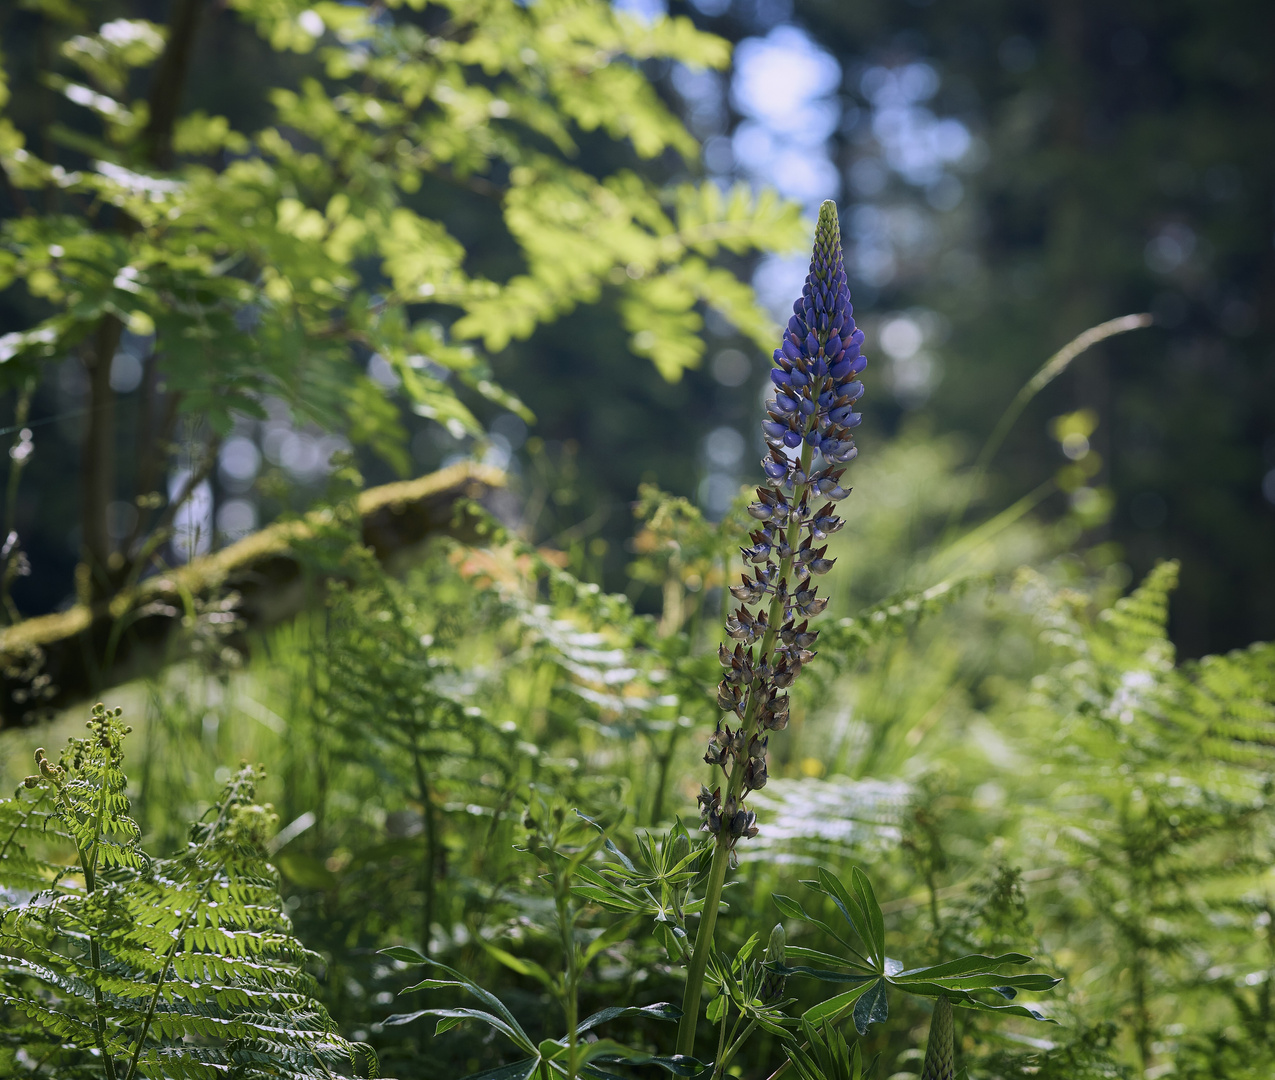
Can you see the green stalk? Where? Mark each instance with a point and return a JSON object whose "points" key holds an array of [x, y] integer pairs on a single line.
{"points": [[95, 958], [88, 865], [721, 853], [721, 1040], [736, 1045], [571, 1004], [663, 761], [9, 571], [703, 946], [431, 846]]}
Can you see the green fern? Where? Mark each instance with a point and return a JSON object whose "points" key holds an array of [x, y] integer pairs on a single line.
{"points": [[1165, 804], [116, 965]]}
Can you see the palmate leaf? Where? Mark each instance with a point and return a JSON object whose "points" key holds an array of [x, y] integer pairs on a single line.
{"points": [[661, 1010], [450, 1018], [794, 910], [834, 1009], [499, 1017], [957, 980]]}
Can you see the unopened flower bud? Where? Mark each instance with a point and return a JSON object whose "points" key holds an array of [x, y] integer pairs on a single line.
{"points": [[680, 849], [772, 987]]}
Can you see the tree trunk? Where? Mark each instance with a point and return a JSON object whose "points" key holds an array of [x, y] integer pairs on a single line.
{"points": [[102, 570], [98, 475]]}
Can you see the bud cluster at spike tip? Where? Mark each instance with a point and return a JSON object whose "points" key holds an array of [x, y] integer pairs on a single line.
{"points": [[809, 429]]}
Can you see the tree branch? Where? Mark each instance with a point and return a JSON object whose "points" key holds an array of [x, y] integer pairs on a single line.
{"points": [[264, 571], [170, 80]]}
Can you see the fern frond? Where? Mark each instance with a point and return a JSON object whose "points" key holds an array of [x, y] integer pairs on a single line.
{"points": [[1232, 697], [847, 640], [181, 967], [24, 821]]}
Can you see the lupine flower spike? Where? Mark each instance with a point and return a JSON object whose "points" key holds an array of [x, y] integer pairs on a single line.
{"points": [[809, 428]]}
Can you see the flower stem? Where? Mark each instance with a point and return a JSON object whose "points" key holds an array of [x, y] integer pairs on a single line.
{"points": [[736, 1044], [703, 946]]}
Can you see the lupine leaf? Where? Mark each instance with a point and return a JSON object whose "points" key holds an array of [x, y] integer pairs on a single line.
{"points": [[507, 1023], [661, 1010], [607, 1050], [521, 965], [824, 974], [519, 1070], [794, 910], [872, 1007], [834, 1006], [963, 966]]}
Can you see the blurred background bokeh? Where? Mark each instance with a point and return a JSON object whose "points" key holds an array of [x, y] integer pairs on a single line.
{"points": [[1008, 173]]}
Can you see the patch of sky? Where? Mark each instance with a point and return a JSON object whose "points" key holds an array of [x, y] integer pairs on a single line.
{"points": [[730, 367], [382, 372], [646, 10], [193, 522], [913, 370], [763, 14], [238, 463], [236, 518], [784, 85], [127, 366], [778, 281], [723, 450], [703, 92], [1170, 248], [914, 142], [900, 135]]}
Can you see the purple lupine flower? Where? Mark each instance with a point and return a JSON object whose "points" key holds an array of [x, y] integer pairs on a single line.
{"points": [[809, 429]]}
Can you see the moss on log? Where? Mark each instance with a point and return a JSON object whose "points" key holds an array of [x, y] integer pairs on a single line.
{"points": [[52, 661]]}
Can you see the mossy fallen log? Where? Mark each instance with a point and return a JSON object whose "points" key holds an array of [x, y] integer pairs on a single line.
{"points": [[52, 661]]}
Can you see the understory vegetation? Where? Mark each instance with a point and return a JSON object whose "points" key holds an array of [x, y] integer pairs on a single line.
{"points": [[460, 777], [998, 737]]}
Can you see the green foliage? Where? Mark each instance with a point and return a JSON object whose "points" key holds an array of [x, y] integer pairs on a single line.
{"points": [[1024, 770], [871, 971], [825, 1055], [272, 263], [563, 847], [1173, 840], [119, 965]]}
